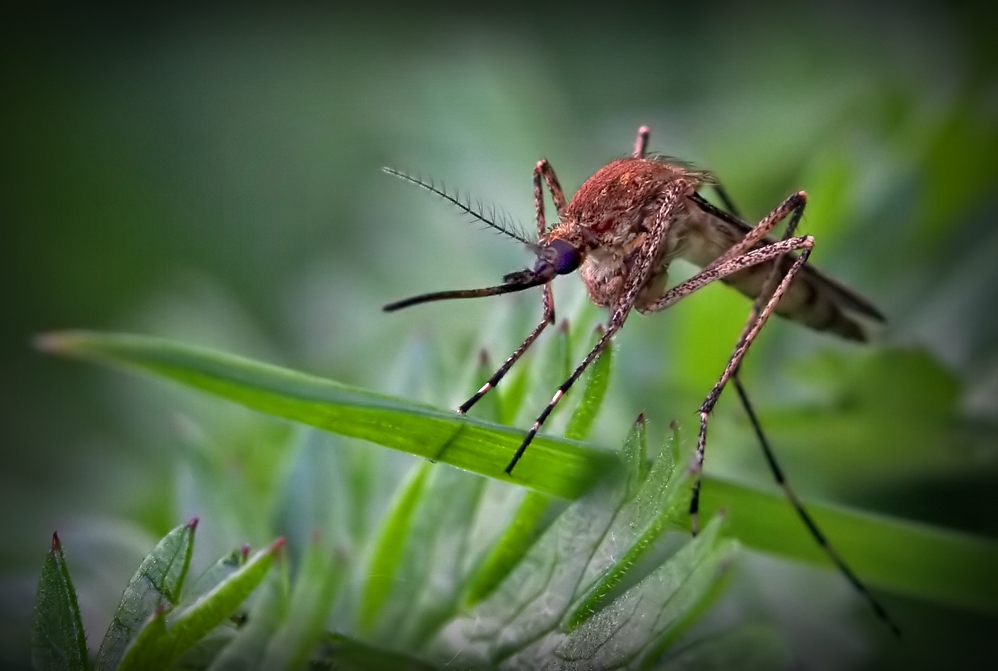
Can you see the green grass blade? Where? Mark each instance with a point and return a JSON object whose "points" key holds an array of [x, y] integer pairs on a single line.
{"points": [[148, 650], [386, 550], [157, 583], [250, 642], [919, 560], [552, 466], [195, 622], [349, 653], [57, 638], [912, 559], [517, 536], [581, 421], [319, 576], [661, 601]]}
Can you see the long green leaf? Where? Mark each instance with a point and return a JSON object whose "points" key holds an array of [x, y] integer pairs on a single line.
{"points": [[913, 559], [553, 466]]}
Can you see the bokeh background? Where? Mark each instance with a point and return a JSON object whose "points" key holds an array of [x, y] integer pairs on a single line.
{"points": [[214, 175]]}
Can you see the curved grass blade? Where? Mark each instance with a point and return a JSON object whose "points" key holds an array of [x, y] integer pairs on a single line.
{"points": [[157, 583], [250, 642], [581, 421], [748, 648], [938, 565], [554, 466], [57, 638], [345, 652], [158, 645], [294, 641], [386, 550], [522, 531], [913, 559]]}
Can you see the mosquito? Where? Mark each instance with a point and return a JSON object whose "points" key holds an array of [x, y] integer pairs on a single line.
{"points": [[621, 231]]}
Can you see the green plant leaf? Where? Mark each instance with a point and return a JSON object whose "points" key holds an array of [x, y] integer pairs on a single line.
{"points": [[57, 637], [533, 597], [581, 422], [191, 624], [554, 466], [294, 641], [641, 521], [149, 648], [159, 643], [521, 532], [913, 559], [425, 582], [157, 583], [249, 645], [344, 653], [643, 619], [748, 648]]}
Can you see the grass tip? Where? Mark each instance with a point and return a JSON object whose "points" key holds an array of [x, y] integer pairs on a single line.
{"points": [[51, 342], [56, 544]]}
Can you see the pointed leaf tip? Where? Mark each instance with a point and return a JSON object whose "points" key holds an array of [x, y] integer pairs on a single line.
{"points": [[193, 524], [56, 544], [48, 342]]}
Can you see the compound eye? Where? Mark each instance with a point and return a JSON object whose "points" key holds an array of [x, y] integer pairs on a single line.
{"points": [[564, 257]]}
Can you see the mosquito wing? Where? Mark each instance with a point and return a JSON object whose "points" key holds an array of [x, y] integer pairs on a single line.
{"points": [[813, 299]]}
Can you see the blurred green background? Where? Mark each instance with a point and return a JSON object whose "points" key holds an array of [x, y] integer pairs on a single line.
{"points": [[213, 175]]}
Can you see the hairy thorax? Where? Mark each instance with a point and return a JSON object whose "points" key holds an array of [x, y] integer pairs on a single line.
{"points": [[611, 216]]}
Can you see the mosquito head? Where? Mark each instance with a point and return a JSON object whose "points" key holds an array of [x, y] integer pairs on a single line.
{"points": [[557, 257]]}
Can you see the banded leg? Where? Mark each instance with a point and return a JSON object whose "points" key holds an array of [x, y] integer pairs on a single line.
{"points": [[804, 244], [544, 171], [770, 455], [726, 265], [546, 320]]}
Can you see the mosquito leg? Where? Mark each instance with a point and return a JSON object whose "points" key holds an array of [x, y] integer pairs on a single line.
{"points": [[770, 252], [613, 327], [548, 317], [543, 168], [733, 363], [770, 455], [546, 320], [641, 142], [809, 522], [793, 206]]}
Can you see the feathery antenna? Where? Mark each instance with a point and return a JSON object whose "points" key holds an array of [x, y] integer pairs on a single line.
{"points": [[496, 219]]}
